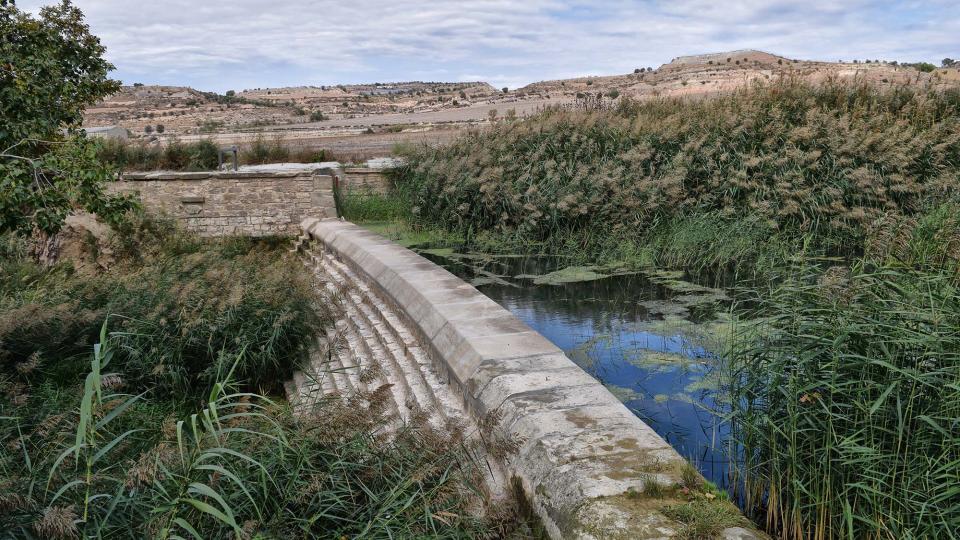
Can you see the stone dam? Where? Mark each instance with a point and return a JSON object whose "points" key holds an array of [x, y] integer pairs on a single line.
{"points": [[581, 459]]}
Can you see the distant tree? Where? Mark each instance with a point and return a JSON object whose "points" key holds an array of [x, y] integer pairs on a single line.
{"points": [[780, 61], [230, 93], [866, 61], [148, 129], [589, 82], [638, 70], [737, 62], [728, 60], [463, 95], [613, 94], [925, 67], [505, 89], [137, 84], [317, 116], [948, 62], [710, 62], [160, 128], [894, 63], [52, 69]]}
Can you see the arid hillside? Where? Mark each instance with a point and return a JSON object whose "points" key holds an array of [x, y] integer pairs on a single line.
{"points": [[721, 72], [347, 117]]}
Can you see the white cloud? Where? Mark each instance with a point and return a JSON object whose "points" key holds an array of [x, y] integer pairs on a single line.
{"points": [[244, 43]]}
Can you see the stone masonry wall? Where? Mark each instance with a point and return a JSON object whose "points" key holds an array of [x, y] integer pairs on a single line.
{"points": [[365, 180], [234, 203]]}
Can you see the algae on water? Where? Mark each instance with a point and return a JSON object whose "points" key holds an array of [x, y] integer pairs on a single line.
{"points": [[570, 274]]}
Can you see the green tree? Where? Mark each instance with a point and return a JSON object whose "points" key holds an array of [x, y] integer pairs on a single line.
{"points": [[52, 67]]}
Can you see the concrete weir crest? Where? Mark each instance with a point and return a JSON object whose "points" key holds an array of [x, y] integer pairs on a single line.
{"points": [[584, 459]]}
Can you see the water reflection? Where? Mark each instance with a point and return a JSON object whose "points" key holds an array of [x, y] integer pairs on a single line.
{"points": [[649, 339]]}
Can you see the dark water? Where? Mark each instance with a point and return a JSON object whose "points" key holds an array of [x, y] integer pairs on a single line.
{"points": [[651, 343]]}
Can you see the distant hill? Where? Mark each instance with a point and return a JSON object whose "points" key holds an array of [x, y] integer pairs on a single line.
{"points": [[186, 111], [711, 73]]}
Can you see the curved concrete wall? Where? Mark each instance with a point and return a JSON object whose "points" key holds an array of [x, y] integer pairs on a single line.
{"points": [[584, 456]]}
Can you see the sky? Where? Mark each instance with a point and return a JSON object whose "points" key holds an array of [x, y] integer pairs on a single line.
{"points": [[219, 45]]}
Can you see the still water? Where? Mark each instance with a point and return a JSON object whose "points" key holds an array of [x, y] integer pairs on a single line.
{"points": [[649, 337]]}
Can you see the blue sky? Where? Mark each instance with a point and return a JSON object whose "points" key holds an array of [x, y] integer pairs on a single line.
{"points": [[220, 45]]}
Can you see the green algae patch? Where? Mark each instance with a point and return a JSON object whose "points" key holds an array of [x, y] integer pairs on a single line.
{"points": [[439, 252], [653, 360], [570, 274], [623, 393]]}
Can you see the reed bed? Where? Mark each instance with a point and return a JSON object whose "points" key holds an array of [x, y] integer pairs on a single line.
{"points": [[202, 155], [807, 166], [846, 405]]}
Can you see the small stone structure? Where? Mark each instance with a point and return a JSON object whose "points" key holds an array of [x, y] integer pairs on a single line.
{"points": [[365, 180], [255, 203], [585, 462], [107, 132]]}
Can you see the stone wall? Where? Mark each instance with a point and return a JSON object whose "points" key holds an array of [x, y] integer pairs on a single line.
{"points": [[365, 180], [234, 203]]}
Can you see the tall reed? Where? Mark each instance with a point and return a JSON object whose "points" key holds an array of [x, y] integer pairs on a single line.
{"points": [[811, 165], [846, 405]]}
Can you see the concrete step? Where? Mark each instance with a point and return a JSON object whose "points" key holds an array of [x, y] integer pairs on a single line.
{"points": [[401, 353], [374, 336]]}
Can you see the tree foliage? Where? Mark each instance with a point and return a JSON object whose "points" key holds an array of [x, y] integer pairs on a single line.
{"points": [[52, 68]]}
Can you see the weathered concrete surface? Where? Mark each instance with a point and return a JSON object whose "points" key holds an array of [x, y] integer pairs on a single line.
{"points": [[582, 455], [255, 203]]}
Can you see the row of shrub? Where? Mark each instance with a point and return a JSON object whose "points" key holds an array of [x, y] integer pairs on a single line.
{"points": [[173, 426], [202, 155]]}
